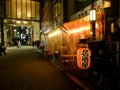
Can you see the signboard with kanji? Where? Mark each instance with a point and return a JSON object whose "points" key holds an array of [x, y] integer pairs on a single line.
{"points": [[83, 58]]}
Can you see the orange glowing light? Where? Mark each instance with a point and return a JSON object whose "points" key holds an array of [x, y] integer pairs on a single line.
{"points": [[83, 25], [79, 25]]}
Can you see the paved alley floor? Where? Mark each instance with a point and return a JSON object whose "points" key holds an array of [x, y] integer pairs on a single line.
{"points": [[25, 69]]}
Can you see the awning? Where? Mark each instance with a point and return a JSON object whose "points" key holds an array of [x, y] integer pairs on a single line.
{"points": [[78, 25]]}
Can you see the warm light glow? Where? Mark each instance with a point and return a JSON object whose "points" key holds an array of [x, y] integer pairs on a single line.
{"points": [[25, 22], [28, 15], [92, 15], [13, 20], [96, 25], [83, 28], [106, 4], [19, 14], [91, 33], [18, 22], [22, 9], [78, 26], [14, 30], [118, 22], [54, 33], [27, 31]]}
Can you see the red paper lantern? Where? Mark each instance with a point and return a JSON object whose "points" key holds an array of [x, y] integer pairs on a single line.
{"points": [[83, 58]]}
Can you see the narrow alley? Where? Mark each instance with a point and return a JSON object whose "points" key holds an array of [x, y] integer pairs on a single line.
{"points": [[25, 69]]}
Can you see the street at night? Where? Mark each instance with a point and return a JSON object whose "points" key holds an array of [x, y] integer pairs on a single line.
{"points": [[24, 69], [60, 45]]}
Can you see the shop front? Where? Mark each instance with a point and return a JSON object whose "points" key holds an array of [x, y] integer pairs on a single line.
{"points": [[64, 42], [78, 30], [53, 43]]}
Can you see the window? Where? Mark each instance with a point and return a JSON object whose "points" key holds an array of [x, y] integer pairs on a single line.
{"points": [[23, 9]]}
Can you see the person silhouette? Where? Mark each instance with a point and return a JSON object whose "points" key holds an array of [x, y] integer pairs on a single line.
{"points": [[2, 50]]}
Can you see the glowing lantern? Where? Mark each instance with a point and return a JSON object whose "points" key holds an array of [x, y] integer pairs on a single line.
{"points": [[83, 58], [106, 3]]}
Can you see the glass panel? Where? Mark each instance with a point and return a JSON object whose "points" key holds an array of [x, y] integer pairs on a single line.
{"points": [[13, 9], [33, 10], [28, 9], [18, 8], [24, 9], [37, 11], [8, 9]]}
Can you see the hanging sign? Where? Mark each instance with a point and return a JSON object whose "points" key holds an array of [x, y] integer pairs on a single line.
{"points": [[83, 58]]}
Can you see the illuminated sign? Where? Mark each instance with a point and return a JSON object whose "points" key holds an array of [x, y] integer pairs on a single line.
{"points": [[83, 58], [106, 4]]}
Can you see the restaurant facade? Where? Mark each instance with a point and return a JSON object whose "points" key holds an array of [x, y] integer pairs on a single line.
{"points": [[64, 43]]}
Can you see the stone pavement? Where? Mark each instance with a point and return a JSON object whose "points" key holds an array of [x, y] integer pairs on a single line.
{"points": [[92, 85], [85, 85], [25, 69]]}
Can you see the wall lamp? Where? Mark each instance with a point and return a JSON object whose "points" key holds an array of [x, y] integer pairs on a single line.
{"points": [[106, 3], [92, 15], [92, 18]]}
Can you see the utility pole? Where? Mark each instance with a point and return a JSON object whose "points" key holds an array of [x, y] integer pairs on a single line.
{"points": [[2, 15], [2, 32]]}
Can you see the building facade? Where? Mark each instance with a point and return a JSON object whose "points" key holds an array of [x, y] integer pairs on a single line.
{"points": [[61, 22], [76, 25], [20, 20]]}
